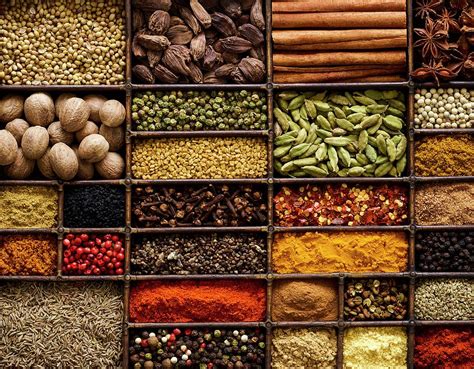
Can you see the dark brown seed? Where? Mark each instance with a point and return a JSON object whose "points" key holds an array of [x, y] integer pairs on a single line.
{"points": [[143, 73], [256, 15], [137, 50], [225, 70], [209, 4], [211, 78], [237, 45], [253, 69], [198, 46], [211, 36], [218, 46], [258, 52], [232, 8], [174, 21], [195, 73], [153, 42], [231, 57], [244, 19], [211, 59], [246, 4], [190, 20], [164, 75], [177, 58], [138, 20], [237, 76], [154, 57], [159, 22], [180, 35], [251, 33], [200, 13], [223, 24], [152, 5]]}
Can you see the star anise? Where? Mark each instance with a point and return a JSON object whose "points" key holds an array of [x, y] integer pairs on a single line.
{"points": [[469, 66], [426, 8], [448, 19], [434, 70], [467, 17], [455, 60], [432, 39], [458, 4]]}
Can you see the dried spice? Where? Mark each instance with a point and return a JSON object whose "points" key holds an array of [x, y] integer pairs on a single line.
{"points": [[375, 299], [341, 205]]}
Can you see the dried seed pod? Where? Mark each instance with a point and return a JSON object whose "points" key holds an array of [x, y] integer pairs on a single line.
{"points": [[190, 19], [237, 76], [237, 45], [211, 59], [198, 46], [223, 24], [164, 75], [244, 19], [231, 8], [211, 36], [153, 42], [251, 33], [211, 77], [246, 4], [154, 57], [143, 73], [159, 22], [179, 35], [200, 13], [152, 5], [174, 21], [138, 20], [218, 46], [258, 52], [231, 58], [209, 4], [256, 15], [253, 69], [195, 73], [177, 58], [225, 70], [138, 50]]}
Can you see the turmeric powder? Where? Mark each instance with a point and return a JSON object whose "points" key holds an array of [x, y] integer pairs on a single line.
{"points": [[330, 252], [444, 156]]}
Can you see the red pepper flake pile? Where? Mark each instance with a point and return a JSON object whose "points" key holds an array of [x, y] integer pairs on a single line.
{"points": [[334, 204]]}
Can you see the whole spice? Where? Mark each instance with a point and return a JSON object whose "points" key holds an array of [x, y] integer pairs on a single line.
{"points": [[374, 299], [197, 301], [341, 205], [339, 252], [211, 205]]}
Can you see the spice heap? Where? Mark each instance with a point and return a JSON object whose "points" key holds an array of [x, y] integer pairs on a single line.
{"points": [[444, 155], [444, 40], [445, 203], [335, 252], [351, 134], [449, 348], [304, 300], [61, 325], [200, 254], [444, 108], [380, 347], [444, 251], [444, 299], [205, 42], [304, 348], [212, 157], [28, 207], [93, 254], [198, 348], [94, 206], [197, 301], [209, 205], [28, 255], [374, 299], [341, 205], [63, 42], [339, 41], [62, 138], [199, 110]]}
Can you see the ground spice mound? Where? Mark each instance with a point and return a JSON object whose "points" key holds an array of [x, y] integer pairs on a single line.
{"points": [[28, 255], [375, 348], [444, 156], [444, 348], [197, 301], [445, 203], [314, 252], [304, 348], [304, 301], [28, 207]]}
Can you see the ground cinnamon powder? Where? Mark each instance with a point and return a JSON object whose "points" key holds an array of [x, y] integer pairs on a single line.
{"points": [[198, 301]]}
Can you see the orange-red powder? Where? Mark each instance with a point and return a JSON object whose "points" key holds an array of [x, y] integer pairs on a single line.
{"points": [[198, 301]]}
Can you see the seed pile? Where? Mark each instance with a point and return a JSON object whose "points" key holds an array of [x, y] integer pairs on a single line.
{"points": [[212, 157], [94, 206], [200, 254], [444, 155], [444, 251], [374, 299], [60, 325], [211, 205], [304, 300], [341, 205], [445, 203], [334, 252], [352, 134], [28, 255], [28, 207], [199, 110], [380, 347], [63, 42], [444, 108], [304, 348], [197, 301], [198, 348]]}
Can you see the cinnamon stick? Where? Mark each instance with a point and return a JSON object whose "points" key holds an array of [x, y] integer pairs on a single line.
{"points": [[388, 78], [340, 20], [293, 6], [384, 43], [341, 68], [329, 77]]}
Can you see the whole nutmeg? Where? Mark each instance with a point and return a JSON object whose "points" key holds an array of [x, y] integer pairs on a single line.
{"points": [[39, 109], [58, 134], [8, 147], [114, 136], [89, 129], [17, 128], [44, 165], [86, 170], [61, 100], [95, 102], [74, 115], [11, 107], [63, 161], [93, 148], [112, 113], [110, 167], [21, 168], [35, 142]]}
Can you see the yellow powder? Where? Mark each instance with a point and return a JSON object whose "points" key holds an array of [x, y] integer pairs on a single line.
{"points": [[340, 252]]}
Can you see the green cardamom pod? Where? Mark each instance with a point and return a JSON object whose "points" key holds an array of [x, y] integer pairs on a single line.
{"points": [[390, 94], [356, 118], [297, 174], [323, 122], [305, 161], [356, 171], [396, 112], [401, 148], [381, 160], [344, 156], [283, 104], [383, 169], [374, 94], [298, 150], [281, 151], [339, 113], [392, 122], [303, 113], [364, 100], [295, 114], [321, 106], [277, 165], [304, 123], [339, 132], [322, 152], [296, 103], [345, 124], [397, 104], [359, 109], [302, 134], [376, 127], [343, 172], [338, 141], [288, 167], [312, 149], [401, 164], [369, 121], [282, 118], [349, 97], [314, 171], [381, 144], [371, 153], [310, 109], [339, 99], [362, 159], [370, 168], [363, 140], [323, 133], [320, 96], [377, 109], [391, 149], [288, 95], [286, 158], [333, 158]]}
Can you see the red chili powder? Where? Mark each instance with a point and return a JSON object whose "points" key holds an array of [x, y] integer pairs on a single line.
{"points": [[197, 301], [447, 348]]}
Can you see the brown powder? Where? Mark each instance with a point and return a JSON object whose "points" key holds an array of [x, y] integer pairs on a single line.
{"points": [[304, 300], [445, 203]]}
